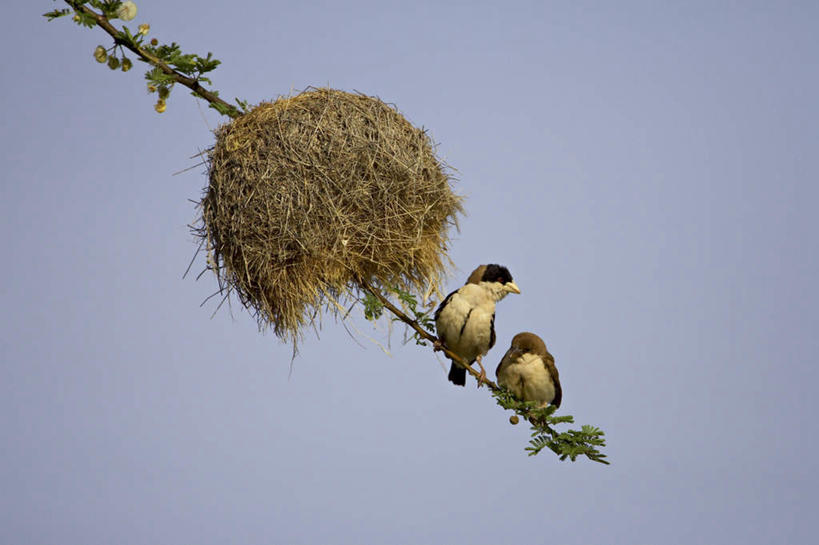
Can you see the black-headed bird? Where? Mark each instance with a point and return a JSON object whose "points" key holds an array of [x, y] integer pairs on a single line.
{"points": [[465, 319], [528, 371]]}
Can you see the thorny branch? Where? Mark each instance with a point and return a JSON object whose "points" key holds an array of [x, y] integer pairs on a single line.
{"points": [[423, 333], [191, 83]]}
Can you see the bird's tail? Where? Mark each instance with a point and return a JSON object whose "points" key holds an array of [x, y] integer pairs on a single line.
{"points": [[457, 375]]}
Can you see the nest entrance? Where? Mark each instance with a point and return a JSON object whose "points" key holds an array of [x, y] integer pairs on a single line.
{"points": [[309, 193]]}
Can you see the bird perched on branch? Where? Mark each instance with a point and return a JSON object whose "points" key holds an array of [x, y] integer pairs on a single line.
{"points": [[465, 319], [528, 371]]}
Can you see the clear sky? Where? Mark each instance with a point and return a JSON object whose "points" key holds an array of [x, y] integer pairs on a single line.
{"points": [[647, 170]]}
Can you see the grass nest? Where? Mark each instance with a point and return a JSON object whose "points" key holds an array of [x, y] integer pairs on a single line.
{"points": [[311, 193]]}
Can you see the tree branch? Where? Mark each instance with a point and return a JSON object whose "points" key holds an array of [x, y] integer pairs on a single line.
{"points": [[424, 333], [191, 83]]}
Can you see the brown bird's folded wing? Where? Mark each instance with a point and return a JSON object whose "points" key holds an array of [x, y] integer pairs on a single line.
{"points": [[549, 362]]}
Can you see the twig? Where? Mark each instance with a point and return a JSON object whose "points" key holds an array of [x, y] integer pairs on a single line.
{"points": [[191, 83], [423, 333]]}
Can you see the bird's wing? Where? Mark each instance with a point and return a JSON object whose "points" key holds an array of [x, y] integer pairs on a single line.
{"points": [[503, 362], [443, 304], [492, 331], [549, 362]]}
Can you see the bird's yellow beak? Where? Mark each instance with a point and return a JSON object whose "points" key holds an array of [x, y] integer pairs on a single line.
{"points": [[512, 287]]}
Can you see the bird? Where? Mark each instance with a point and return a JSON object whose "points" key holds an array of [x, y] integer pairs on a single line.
{"points": [[528, 371], [465, 319]]}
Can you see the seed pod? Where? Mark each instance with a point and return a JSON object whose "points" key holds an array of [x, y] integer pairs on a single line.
{"points": [[100, 54]]}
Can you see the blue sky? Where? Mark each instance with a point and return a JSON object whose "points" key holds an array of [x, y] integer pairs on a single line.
{"points": [[643, 168]]}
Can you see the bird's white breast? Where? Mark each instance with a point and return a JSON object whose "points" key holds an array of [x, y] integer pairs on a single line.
{"points": [[471, 340], [528, 378]]}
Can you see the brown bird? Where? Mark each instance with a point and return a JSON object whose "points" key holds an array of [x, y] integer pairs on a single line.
{"points": [[528, 371], [465, 319]]}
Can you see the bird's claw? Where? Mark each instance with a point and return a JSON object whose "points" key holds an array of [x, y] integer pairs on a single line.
{"points": [[437, 345], [481, 374]]}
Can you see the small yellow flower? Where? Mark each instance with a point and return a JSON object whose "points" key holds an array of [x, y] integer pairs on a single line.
{"points": [[151, 88], [113, 63], [160, 106], [127, 11], [100, 54], [143, 29], [76, 18], [126, 64]]}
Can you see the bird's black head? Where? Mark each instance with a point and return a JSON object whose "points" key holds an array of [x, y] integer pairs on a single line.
{"points": [[490, 273], [496, 278], [497, 273]]}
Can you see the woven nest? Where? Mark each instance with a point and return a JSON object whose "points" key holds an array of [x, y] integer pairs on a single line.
{"points": [[311, 193]]}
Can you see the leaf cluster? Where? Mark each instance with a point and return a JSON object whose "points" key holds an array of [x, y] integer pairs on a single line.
{"points": [[373, 309], [567, 444], [170, 65], [56, 14], [108, 8]]}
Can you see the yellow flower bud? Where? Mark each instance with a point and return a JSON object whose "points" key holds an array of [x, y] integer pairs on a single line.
{"points": [[160, 106], [514, 419], [151, 88], [154, 42], [127, 11], [144, 28], [76, 18], [126, 64], [100, 54], [164, 92], [113, 63]]}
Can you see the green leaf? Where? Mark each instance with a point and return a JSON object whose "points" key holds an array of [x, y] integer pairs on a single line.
{"points": [[86, 20], [223, 109], [184, 63], [373, 308], [56, 14], [159, 78], [108, 8], [129, 39], [569, 444], [207, 64]]}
